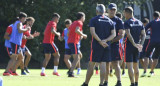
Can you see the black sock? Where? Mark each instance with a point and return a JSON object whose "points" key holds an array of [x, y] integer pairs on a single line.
{"points": [[22, 70], [132, 84], [111, 71], [96, 68], [136, 83], [118, 81], [144, 71]]}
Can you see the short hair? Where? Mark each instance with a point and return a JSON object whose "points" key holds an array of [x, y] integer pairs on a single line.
{"points": [[156, 14], [129, 10], [145, 20], [118, 14], [56, 15], [101, 8], [67, 21], [30, 19], [80, 15], [22, 14]]}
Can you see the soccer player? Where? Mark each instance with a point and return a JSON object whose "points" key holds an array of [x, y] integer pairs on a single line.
{"points": [[67, 55], [135, 38], [49, 45], [16, 40], [142, 54], [74, 36], [122, 41], [26, 35], [102, 31], [154, 43], [115, 54]]}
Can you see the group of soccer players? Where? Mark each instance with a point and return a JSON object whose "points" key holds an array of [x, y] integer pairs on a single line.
{"points": [[107, 45]]}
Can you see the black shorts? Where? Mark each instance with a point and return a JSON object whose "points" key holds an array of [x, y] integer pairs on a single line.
{"points": [[149, 49], [16, 49], [67, 51], [74, 48], [142, 54], [25, 49], [131, 53], [100, 54], [115, 52], [50, 48], [9, 51]]}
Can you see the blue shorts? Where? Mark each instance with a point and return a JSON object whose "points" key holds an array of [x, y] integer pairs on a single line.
{"points": [[115, 53], [149, 49], [25, 49], [74, 48], [100, 54], [16, 49], [9, 51], [131, 53], [50, 48], [67, 51]]}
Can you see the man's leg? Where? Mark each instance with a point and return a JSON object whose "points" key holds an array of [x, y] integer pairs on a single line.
{"points": [[79, 64], [130, 72], [107, 73], [67, 61], [136, 72], [11, 62], [146, 62], [117, 71], [142, 62], [102, 72], [27, 60], [45, 62], [56, 63]]}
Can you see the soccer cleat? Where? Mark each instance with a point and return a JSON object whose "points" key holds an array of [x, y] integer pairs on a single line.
{"points": [[15, 74], [151, 74], [84, 84], [26, 69], [43, 74], [70, 74], [23, 73], [56, 73], [78, 71], [97, 72], [105, 84], [6, 74], [144, 75]]}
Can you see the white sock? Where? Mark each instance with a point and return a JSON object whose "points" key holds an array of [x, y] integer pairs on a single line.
{"points": [[43, 69], [55, 68]]}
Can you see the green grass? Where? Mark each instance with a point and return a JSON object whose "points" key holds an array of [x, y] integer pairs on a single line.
{"points": [[34, 79]]}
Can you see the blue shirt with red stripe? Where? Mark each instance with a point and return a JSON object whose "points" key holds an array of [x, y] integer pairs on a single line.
{"points": [[135, 26], [103, 26], [155, 30]]}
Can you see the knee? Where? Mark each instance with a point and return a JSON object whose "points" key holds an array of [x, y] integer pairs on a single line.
{"points": [[65, 59]]}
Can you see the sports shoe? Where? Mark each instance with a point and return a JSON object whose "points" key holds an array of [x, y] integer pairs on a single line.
{"points": [[144, 75], [6, 74], [23, 73], [56, 73], [70, 74], [123, 73], [43, 74], [84, 84], [15, 74], [105, 84], [10, 71], [26, 69], [78, 71], [118, 84], [151, 74], [97, 72]]}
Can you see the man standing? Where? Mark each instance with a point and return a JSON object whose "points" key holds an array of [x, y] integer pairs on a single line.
{"points": [[115, 54], [135, 38], [154, 43], [102, 31], [49, 45], [74, 35]]}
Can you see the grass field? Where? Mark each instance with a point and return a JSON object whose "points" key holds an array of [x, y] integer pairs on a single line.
{"points": [[34, 79]]}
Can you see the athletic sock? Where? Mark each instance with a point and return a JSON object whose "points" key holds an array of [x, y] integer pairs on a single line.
{"points": [[55, 68], [43, 69], [136, 83]]}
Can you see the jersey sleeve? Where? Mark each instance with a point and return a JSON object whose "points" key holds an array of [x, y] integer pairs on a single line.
{"points": [[148, 26], [91, 23], [9, 30], [126, 25], [53, 25], [120, 24], [112, 25]]}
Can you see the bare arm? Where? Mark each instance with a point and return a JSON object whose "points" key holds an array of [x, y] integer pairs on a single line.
{"points": [[143, 36], [20, 29], [6, 36], [113, 34], [55, 32], [120, 36], [94, 35], [129, 36], [79, 32]]}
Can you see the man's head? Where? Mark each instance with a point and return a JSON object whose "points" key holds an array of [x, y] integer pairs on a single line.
{"points": [[145, 21], [118, 14], [156, 15], [112, 9], [128, 12], [80, 16], [30, 21], [55, 17], [22, 17], [68, 22], [100, 9]]}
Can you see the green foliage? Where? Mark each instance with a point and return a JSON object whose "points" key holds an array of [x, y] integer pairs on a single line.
{"points": [[42, 10]]}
